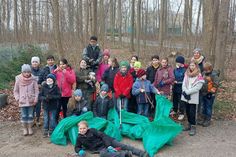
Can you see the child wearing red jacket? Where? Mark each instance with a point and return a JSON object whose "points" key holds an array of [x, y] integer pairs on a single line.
{"points": [[123, 84]]}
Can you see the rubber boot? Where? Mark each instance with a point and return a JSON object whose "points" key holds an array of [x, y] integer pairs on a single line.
{"points": [[30, 130], [25, 130], [192, 131], [207, 122]]}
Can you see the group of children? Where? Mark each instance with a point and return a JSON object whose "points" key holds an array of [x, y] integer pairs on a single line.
{"points": [[101, 83]]}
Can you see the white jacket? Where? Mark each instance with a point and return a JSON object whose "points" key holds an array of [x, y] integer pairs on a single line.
{"points": [[191, 86]]}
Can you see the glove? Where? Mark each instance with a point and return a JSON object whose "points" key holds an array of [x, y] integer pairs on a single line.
{"points": [[187, 97], [85, 109], [81, 153], [122, 96], [161, 84], [111, 149]]}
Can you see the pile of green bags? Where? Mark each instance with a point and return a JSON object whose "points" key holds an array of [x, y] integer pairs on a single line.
{"points": [[154, 134]]}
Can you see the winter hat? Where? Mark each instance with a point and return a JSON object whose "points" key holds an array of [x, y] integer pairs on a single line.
{"points": [[197, 50], [35, 59], [137, 64], [78, 92], [124, 63], [140, 73], [105, 87], [106, 52], [180, 59], [52, 76], [25, 68]]}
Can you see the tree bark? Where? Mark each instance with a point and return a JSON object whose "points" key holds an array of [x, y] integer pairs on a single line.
{"points": [[163, 23], [132, 25], [221, 41], [138, 25], [16, 31], [120, 21]]}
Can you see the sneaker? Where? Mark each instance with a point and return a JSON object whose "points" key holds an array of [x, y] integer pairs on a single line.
{"points": [[187, 128], [45, 133], [206, 123], [181, 117], [128, 154], [192, 131]]}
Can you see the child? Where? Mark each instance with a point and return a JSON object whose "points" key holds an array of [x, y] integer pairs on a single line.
{"points": [[133, 59], [177, 87], [95, 141], [152, 69], [26, 94], [122, 84], [50, 96], [49, 68], [192, 83], [198, 58], [208, 91], [65, 76], [103, 103], [142, 89], [81, 105], [164, 78], [36, 70], [103, 65]]}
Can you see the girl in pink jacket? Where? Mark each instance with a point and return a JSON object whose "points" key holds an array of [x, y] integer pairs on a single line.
{"points": [[65, 76], [26, 94], [103, 65]]}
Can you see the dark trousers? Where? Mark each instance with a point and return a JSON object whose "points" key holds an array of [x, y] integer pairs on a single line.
{"points": [[191, 113], [207, 104], [152, 110], [178, 105], [62, 104], [37, 109], [132, 105]]}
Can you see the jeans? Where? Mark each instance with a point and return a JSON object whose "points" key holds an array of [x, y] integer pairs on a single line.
{"points": [[177, 103], [37, 109], [191, 113], [143, 109], [62, 103], [123, 102], [207, 105], [49, 119], [27, 114]]}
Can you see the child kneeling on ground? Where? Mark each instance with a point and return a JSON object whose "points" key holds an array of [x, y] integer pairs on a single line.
{"points": [[81, 105], [49, 95], [97, 142]]}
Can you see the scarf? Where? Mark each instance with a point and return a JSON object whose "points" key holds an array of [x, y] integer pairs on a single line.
{"points": [[25, 81], [193, 73], [199, 60]]}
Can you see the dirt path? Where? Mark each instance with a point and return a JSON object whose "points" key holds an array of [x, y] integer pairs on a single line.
{"points": [[218, 140]]}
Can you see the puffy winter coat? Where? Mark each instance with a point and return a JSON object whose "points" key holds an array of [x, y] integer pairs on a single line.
{"points": [[65, 81], [44, 73], [101, 69], [179, 77], [151, 73], [109, 76], [26, 90], [123, 84], [81, 76], [79, 105], [101, 106]]}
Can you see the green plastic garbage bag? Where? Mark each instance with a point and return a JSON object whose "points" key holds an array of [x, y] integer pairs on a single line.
{"points": [[58, 135]]}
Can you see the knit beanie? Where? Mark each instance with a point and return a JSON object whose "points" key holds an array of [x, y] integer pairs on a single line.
{"points": [[180, 59], [52, 76], [35, 59], [137, 64], [78, 92], [106, 52], [124, 63], [140, 73], [25, 68], [197, 50], [105, 87]]}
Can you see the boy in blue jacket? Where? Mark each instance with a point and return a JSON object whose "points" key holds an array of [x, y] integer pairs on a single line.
{"points": [[142, 89]]}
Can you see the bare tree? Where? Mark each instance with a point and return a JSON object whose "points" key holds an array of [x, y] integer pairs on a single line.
{"points": [[138, 25], [120, 21], [163, 22], [132, 25], [94, 18], [16, 21]]}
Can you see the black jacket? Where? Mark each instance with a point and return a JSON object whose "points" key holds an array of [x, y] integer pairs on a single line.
{"points": [[101, 106], [44, 73], [49, 96], [151, 73], [109, 76], [93, 140], [79, 105]]}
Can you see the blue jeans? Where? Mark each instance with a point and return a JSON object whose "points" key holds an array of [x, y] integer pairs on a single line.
{"points": [[143, 109], [27, 114], [37, 109], [123, 102], [207, 104], [49, 119]]}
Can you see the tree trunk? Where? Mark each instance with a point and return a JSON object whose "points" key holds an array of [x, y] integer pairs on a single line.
{"points": [[132, 25], [163, 23], [16, 33], [197, 25], [56, 26], [9, 2], [102, 23], [34, 22], [94, 30], [222, 37], [120, 22], [138, 25]]}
